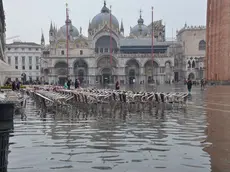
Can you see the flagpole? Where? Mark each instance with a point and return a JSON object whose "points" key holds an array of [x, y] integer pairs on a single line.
{"points": [[110, 25], [152, 50], [67, 40]]}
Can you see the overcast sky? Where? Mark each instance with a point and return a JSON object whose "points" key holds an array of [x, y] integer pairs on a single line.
{"points": [[26, 18]]}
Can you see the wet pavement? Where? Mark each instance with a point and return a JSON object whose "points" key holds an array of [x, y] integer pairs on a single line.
{"points": [[193, 140]]}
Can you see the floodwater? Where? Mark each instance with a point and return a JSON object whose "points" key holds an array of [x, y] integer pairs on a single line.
{"points": [[193, 140]]}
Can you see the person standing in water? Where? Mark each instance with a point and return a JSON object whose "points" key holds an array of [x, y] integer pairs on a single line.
{"points": [[117, 86], [65, 85], [189, 86], [202, 84]]}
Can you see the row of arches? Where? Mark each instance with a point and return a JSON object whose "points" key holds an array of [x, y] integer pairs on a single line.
{"points": [[106, 70]]}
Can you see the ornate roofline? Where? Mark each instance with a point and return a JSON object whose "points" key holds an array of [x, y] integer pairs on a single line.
{"points": [[190, 28]]}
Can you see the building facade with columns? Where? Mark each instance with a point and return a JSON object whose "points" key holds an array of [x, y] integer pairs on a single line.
{"points": [[25, 58], [90, 60], [192, 40]]}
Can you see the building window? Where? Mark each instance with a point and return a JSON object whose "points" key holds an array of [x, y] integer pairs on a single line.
{"points": [[106, 50], [16, 67], [16, 59], [37, 67], [15, 48], [189, 64], [193, 64], [23, 49], [101, 50], [37, 60], [8, 49], [23, 59], [202, 45], [29, 49], [36, 49], [30, 67], [30, 60], [37, 78], [81, 52], [62, 52], [9, 60], [96, 50], [23, 67]]}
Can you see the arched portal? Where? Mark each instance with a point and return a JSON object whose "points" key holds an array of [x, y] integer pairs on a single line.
{"points": [[132, 71], [61, 71], [81, 70], [191, 76], [106, 66], [106, 74], [151, 71]]}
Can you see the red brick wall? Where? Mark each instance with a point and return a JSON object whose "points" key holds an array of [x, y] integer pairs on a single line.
{"points": [[218, 40]]}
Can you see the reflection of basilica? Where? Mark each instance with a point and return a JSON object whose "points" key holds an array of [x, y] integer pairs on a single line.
{"points": [[89, 57]]}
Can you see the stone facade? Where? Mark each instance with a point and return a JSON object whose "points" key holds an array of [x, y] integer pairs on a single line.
{"points": [[90, 60], [218, 38], [24, 57], [193, 44]]}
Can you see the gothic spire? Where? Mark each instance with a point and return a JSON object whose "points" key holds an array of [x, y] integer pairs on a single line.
{"points": [[51, 26], [122, 27], [42, 39], [89, 27]]}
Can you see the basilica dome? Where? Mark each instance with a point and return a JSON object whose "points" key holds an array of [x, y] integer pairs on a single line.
{"points": [[140, 29], [72, 30], [104, 17]]}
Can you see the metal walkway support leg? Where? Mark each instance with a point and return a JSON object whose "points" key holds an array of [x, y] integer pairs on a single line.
{"points": [[5, 130]]}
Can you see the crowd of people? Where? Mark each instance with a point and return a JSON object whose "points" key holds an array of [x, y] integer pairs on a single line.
{"points": [[190, 83], [68, 82], [15, 85]]}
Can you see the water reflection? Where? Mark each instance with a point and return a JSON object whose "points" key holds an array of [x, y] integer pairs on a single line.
{"points": [[218, 118], [149, 140]]}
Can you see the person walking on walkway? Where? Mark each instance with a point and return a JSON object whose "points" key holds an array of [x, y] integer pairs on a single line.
{"points": [[189, 86]]}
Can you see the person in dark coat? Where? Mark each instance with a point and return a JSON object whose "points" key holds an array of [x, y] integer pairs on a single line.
{"points": [[202, 84], [189, 85], [18, 85], [117, 86], [13, 86], [68, 84], [77, 84]]}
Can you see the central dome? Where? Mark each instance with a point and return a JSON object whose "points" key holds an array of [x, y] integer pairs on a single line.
{"points": [[140, 29], [103, 18], [73, 31]]}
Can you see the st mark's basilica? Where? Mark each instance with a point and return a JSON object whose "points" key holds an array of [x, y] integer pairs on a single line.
{"points": [[89, 57]]}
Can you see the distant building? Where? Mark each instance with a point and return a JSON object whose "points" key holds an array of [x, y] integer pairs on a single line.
{"points": [[218, 41], [193, 44], [89, 57], [25, 57]]}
